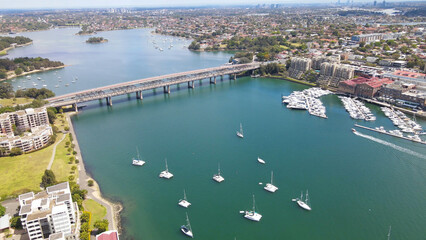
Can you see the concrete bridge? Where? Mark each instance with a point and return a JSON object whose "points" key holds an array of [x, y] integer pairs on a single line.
{"points": [[138, 86]]}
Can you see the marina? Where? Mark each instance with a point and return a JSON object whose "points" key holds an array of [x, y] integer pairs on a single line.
{"points": [[412, 138], [403, 122], [307, 99], [357, 109]]}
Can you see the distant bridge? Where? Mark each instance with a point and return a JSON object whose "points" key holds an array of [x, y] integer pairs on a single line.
{"points": [[137, 86]]}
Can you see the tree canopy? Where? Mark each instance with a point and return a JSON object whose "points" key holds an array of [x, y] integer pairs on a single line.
{"points": [[48, 179]]}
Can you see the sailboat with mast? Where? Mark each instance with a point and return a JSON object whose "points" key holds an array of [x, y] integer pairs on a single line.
{"points": [[137, 161], [270, 187], [186, 229], [240, 133], [303, 204], [217, 177], [253, 215], [183, 202], [166, 174]]}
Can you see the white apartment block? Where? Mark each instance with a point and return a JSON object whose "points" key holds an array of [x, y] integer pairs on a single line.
{"points": [[34, 120], [50, 214]]}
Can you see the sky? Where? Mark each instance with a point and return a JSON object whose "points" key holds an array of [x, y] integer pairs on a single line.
{"points": [[37, 4]]}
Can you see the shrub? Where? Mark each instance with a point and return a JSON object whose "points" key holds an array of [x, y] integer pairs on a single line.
{"points": [[15, 151], [66, 128], [101, 225], [16, 223], [48, 179], [90, 183], [71, 178]]}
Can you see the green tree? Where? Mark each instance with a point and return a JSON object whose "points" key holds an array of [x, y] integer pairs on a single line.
{"points": [[84, 235], [101, 225], [90, 183], [16, 223], [18, 71], [51, 113], [6, 90], [15, 151], [85, 217], [48, 179], [2, 210]]}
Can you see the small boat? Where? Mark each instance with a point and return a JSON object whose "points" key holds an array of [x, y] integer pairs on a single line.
{"points": [[186, 229], [353, 130], [304, 204], [270, 187], [253, 215], [138, 161], [166, 174], [240, 133], [38, 78], [28, 77], [260, 160], [217, 177], [44, 85], [66, 85], [183, 202], [56, 86]]}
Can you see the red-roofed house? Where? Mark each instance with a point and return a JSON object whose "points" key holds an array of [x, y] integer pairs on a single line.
{"points": [[108, 235], [409, 74], [364, 87]]}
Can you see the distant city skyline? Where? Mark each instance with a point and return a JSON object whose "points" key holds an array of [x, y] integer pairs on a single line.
{"points": [[53, 4]]}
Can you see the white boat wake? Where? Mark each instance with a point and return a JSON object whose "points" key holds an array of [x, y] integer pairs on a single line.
{"points": [[401, 149]]}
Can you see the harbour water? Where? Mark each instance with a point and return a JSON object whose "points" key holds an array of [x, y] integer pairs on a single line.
{"points": [[359, 185]]}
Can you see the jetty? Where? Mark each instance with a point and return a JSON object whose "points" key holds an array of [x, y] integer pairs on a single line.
{"points": [[390, 134]]}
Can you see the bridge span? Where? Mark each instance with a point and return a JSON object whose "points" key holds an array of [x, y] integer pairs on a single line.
{"points": [[137, 86]]}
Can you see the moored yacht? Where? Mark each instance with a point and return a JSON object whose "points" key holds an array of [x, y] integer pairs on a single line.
{"points": [[166, 174], [270, 187], [137, 161], [183, 202], [253, 215], [261, 160], [303, 204], [240, 133], [217, 177], [186, 229]]}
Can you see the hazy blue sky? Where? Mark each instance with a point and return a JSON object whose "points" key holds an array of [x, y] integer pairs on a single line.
{"points": [[18, 4]]}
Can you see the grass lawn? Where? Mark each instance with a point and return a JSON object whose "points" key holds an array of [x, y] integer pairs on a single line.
{"points": [[98, 211], [23, 173], [9, 102], [60, 165]]}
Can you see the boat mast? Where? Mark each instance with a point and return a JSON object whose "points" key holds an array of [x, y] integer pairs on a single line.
{"points": [[272, 176], [306, 197], [218, 166], [241, 128], [137, 151], [301, 195], [187, 222], [184, 194], [167, 168], [254, 206], [389, 233]]}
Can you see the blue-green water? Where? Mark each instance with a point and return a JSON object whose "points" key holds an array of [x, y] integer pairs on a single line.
{"points": [[358, 187]]}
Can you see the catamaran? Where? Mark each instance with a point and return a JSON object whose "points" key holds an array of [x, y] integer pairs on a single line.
{"points": [[183, 202], [240, 133], [270, 186], [166, 174], [186, 229], [301, 203], [253, 215], [261, 160], [138, 161], [217, 177]]}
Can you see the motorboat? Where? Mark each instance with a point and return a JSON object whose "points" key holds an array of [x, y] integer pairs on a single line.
{"points": [[261, 160]]}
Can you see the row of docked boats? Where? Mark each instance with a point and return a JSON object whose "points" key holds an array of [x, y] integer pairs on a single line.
{"points": [[403, 122], [307, 99], [357, 109]]}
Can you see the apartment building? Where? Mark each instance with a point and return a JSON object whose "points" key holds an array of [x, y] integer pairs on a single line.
{"points": [[50, 214]]}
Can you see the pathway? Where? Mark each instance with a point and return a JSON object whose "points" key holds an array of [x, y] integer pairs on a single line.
{"points": [[54, 152]]}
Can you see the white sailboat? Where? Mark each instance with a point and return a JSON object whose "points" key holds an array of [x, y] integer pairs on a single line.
{"points": [[217, 177], [137, 161], [301, 203], [261, 160], [240, 133], [166, 174], [183, 202], [186, 229], [270, 186], [253, 215], [389, 233]]}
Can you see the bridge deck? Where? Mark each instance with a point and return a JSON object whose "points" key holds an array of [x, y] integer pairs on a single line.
{"points": [[146, 84]]}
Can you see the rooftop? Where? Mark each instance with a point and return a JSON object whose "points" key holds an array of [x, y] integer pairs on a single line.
{"points": [[108, 235]]}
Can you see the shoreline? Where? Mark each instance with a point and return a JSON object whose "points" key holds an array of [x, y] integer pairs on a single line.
{"points": [[94, 192], [13, 75], [17, 46]]}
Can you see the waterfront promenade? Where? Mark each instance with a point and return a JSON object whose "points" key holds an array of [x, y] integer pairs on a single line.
{"points": [[137, 86]]}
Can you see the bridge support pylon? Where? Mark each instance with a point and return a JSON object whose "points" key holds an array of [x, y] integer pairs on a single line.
{"points": [[109, 101], [191, 84], [235, 76], [75, 107], [139, 95], [221, 77], [214, 80], [166, 89]]}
